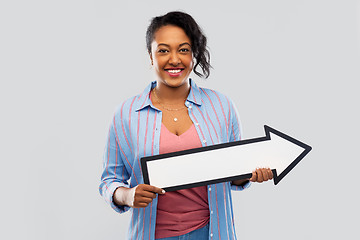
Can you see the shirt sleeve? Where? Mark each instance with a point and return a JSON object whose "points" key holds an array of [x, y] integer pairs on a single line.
{"points": [[114, 173], [241, 187], [236, 135], [235, 125]]}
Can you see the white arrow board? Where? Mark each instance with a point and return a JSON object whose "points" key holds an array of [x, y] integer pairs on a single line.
{"points": [[224, 162]]}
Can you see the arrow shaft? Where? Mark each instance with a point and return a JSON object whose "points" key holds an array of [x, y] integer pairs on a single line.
{"points": [[209, 165]]}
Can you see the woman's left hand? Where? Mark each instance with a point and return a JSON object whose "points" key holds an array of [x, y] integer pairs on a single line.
{"points": [[261, 175]]}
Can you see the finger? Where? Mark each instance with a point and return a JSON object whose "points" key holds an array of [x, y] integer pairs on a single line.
{"points": [[157, 190], [253, 177], [147, 194], [271, 175], [260, 176], [265, 174], [141, 201], [154, 189], [141, 205], [145, 200]]}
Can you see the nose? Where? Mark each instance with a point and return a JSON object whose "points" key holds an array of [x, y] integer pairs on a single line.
{"points": [[174, 59]]}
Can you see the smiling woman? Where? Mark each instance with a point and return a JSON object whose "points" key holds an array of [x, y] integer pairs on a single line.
{"points": [[193, 32], [172, 57], [172, 114]]}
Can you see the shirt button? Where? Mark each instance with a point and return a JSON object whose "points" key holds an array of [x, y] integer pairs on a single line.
{"points": [[209, 188], [204, 141], [190, 106], [211, 235], [197, 124], [211, 212]]}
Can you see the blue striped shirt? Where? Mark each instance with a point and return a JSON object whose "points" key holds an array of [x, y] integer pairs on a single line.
{"points": [[135, 133]]}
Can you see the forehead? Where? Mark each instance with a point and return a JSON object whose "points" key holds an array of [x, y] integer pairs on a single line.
{"points": [[170, 35]]}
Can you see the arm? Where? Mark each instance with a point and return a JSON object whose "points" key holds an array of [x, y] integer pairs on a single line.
{"points": [[235, 134], [260, 174], [114, 185], [115, 174]]}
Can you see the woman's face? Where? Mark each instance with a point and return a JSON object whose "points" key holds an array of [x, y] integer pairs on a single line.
{"points": [[171, 56]]}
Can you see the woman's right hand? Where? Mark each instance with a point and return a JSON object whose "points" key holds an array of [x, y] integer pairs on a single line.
{"points": [[136, 197]]}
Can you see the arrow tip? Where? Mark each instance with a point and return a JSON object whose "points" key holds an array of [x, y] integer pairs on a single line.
{"points": [[285, 144]]}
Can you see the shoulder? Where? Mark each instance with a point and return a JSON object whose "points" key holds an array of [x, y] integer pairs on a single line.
{"points": [[127, 104], [219, 103], [137, 102], [126, 109], [210, 96]]}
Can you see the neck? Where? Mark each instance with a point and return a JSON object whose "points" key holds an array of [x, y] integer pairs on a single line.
{"points": [[172, 94]]}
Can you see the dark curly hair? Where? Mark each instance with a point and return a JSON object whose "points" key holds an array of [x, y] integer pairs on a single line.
{"points": [[192, 30]]}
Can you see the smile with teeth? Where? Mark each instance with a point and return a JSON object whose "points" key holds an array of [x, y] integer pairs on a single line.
{"points": [[174, 70]]}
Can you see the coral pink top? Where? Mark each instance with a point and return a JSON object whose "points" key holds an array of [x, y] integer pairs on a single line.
{"points": [[180, 212]]}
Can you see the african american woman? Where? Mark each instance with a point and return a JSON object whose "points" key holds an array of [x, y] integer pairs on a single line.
{"points": [[172, 114]]}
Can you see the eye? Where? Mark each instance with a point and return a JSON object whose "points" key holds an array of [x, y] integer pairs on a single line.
{"points": [[184, 50], [162, 51]]}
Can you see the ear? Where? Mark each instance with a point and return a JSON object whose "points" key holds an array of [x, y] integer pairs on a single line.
{"points": [[151, 58], [193, 61]]}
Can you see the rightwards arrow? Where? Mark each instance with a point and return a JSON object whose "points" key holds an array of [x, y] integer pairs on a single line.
{"points": [[224, 162]]}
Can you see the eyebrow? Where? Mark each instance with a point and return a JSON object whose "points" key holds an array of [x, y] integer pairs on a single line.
{"points": [[182, 44]]}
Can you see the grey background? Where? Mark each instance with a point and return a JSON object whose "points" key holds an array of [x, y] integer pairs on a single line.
{"points": [[66, 65]]}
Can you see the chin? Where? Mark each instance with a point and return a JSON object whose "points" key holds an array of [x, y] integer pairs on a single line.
{"points": [[176, 82]]}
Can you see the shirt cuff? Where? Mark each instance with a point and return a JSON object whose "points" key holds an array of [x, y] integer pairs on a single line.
{"points": [[241, 187], [109, 193]]}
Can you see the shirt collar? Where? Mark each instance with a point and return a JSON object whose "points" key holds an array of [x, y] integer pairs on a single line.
{"points": [[194, 95], [144, 98]]}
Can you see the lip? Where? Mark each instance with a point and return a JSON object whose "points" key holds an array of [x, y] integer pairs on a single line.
{"points": [[172, 74]]}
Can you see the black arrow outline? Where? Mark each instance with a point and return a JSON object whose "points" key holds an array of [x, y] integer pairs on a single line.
{"points": [[307, 149], [268, 130]]}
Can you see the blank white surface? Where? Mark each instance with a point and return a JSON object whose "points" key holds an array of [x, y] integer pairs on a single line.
{"points": [[222, 163]]}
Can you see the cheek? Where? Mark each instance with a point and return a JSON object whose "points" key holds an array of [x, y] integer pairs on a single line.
{"points": [[158, 63], [188, 61]]}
